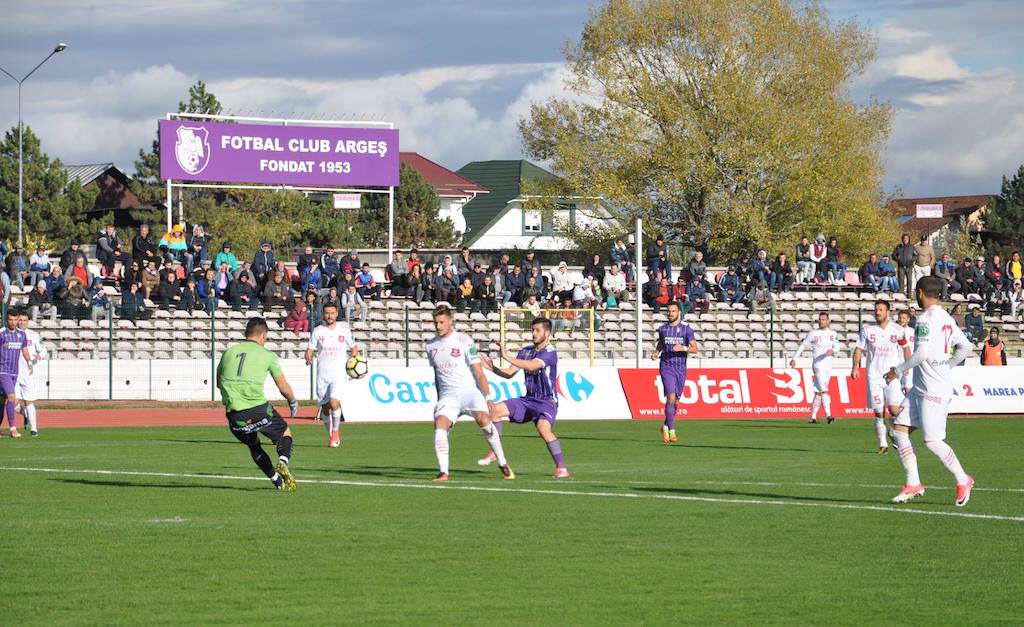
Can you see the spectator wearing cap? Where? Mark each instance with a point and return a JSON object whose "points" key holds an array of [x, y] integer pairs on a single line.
{"points": [[515, 283], [38, 266], [781, 277], [143, 248], [562, 283], [998, 299], [98, 300], [40, 302], [730, 287], [105, 244], [263, 262], [804, 264], [463, 264], [242, 293], [924, 259], [67, 258], [17, 266], [305, 260], [620, 255], [615, 286], [974, 323], [834, 264], [485, 295], [277, 291], [904, 255], [330, 267], [312, 276], [887, 275], [819, 250], [657, 257], [945, 270], [366, 285], [226, 256], [398, 273], [1016, 298], [869, 273], [197, 248], [993, 351], [980, 271], [174, 242]]}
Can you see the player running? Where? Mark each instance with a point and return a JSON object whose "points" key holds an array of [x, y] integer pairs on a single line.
{"points": [[25, 388], [333, 344], [936, 334], [676, 341], [886, 346], [461, 388], [241, 374], [12, 350], [540, 405], [824, 343], [903, 317]]}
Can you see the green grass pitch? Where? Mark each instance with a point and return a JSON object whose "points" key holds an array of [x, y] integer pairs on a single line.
{"points": [[741, 522]]}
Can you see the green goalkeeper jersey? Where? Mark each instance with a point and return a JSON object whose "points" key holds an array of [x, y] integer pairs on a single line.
{"points": [[241, 373]]}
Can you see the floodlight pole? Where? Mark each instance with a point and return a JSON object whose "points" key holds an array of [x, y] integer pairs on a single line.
{"points": [[639, 294], [391, 223]]}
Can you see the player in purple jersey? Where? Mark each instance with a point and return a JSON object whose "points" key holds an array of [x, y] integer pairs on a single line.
{"points": [[540, 405], [13, 346], [675, 342]]}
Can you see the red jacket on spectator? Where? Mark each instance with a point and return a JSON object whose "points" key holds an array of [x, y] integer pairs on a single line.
{"points": [[664, 293], [679, 292]]}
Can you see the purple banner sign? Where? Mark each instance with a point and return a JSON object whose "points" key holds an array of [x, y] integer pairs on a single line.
{"points": [[196, 150]]}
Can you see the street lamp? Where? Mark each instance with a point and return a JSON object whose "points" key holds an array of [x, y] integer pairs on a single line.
{"points": [[21, 166]]}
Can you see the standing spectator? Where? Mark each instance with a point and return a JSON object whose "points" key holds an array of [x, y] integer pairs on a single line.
{"points": [[869, 273], [263, 262], [68, 257], [330, 267], [562, 284], [923, 261], [615, 287], [781, 279], [993, 352], [150, 279], [174, 242], [999, 299], [398, 273], [17, 266], [415, 280], [226, 256], [697, 267], [133, 306], [904, 255], [40, 302], [657, 257], [515, 283], [353, 304], [38, 266], [143, 248], [276, 292], [430, 283], [414, 260], [298, 318], [99, 300], [449, 288], [366, 285], [243, 294], [465, 296], [974, 323], [760, 298], [730, 287], [1014, 268], [485, 295], [351, 263], [305, 260], [834, 263], [819, 250], [531, 262], [1016, 298], [620, 256], [761, 269], [312, 277], [805, 265], [197, 248], [946, 271], [463, 264], [105, 245]]}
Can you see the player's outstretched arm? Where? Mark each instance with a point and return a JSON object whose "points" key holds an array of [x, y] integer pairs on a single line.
{"points": [[914, 361], [963, 350], [504, 373]]}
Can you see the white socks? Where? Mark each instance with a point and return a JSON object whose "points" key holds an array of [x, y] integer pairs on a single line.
{"points": [[815, 404], [907, 457], [494, 441], [948, 458], [880, 432], [441, 449], [336, 419], [826, 400]]}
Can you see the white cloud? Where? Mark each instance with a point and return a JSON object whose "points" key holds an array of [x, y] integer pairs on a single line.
{"points": [[891, 32], [934, 63]]}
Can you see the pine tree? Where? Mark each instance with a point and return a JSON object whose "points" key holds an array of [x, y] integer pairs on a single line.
{"points": [[1005, 221]]}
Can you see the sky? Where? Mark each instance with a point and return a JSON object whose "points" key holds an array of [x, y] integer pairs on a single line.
{"points": [[455, 76]]}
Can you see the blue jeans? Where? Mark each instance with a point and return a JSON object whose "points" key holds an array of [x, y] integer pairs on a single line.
{"points": [[780, 282], [836, 270], [888, 283], [664, 266]]}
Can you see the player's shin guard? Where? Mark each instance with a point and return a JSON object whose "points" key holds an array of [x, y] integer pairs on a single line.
{"points": [[262, 460], [826, 400], [670, 416], [907, 457], [880, 432], [815, 404], [948, 458], [284, 449], [441, 449], [494, 441], [555, 448]]}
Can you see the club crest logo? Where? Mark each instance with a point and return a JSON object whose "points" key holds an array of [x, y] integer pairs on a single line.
{"points": [[192, 150], [456, 352]]}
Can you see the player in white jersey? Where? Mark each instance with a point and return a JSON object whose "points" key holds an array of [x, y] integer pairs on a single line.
{"points": [[903, 317], [936, 334], [25, 388], [333, 344], [824, 343], [886, 346], [462, 388]]}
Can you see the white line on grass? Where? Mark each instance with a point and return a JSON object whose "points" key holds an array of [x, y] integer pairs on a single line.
{"points": [[808, 484], [469, 488]]}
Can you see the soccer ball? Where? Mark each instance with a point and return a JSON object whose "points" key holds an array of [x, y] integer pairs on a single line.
{"points": [[356, 368]]}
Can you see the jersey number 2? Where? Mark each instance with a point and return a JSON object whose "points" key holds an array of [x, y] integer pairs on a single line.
{"points": [[241, 362]]}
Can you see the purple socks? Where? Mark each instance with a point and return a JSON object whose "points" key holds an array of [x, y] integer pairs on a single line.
{"points": [[12, 416], [555, 448], [670, 416]]}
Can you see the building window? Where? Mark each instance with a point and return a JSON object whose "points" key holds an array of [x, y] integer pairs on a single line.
{"points": [[532, 221]]}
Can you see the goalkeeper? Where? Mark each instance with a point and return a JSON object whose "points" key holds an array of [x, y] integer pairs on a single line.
{"points": [[241, 374]]}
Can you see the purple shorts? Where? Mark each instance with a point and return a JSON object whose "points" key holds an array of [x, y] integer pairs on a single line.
{"points": [[7, 383], [673, 378], [526, 409]]}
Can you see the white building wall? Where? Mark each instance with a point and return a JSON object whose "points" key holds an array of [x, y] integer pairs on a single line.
{"points": [[452, 208], [507, 233]]}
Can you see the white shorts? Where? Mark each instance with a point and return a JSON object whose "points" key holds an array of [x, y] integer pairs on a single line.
{"points": [[25, 387], [454, 403], [927, 413], [332, 386], [822, 373], [882, 394]]}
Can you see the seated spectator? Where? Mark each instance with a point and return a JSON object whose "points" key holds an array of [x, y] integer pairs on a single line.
{"points": [[1016, 298], [166, 293], [761, 268], [81, 272], [398, 273], [17, 266], [680, 294], [887, 280], [974, 323], [834, 265], [530, 262], [531, 289], [197, 249], [312, 276], [150, 279], [246, 268], [241, 293], [760, 298], [819, 250], [958, 316], [5, 283], [133, 305], [869, 274], [366, 285], [344, 280], [498, 280], [594, 270], [730, 287], [314, 310], [38, 266], [465, 296], [615, 287], [781, 277], [477, 275], [485, 296], [620, 255], [277, 292], [77, 301], [297, 320], [1015, 268], [446, 264], [174, 242], [744, 268], [350, 263], [414, 280], [696, 267], [226, 256], [68, 257], [945, 270], [539, 281], [98, 300], [999, 299], [994, 271], [206, 289], [448, 287], [664, 295], [993, 351], [430, 283], [515, 283], [532, 305], [332, 297], [583, 296], [190, 300], [332, 265], [561, 283], [805, 265], [352, 304], [55, 284], [132, 275], [40, 302], [263, 263], [966, 278], [305, 260], [414, 260], [980, 272], [105, 245]]}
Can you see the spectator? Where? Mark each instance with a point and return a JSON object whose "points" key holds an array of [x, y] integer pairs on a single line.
{"points": [[120, 261], [81, 271], [398, 273], [5, 284], [445, 264], [55, 284], [819, 250], [353, 304], [730, 287], [887, 275], [332, 297], [781, 279], [945, 270], [562, 283], [924, 259], [298, 318], [958, 316], [68, 257], [132, 275], [531, 262], [167, 292], [532, 305], [463, 264], [531, 289], [485, 296], [999, 299], [515, 283], [805, 265], [620, 255], [226, 256], [974, 323], [190, 300], [276, 292], [478, 274], [246, 268], [994, 271], [981, 278], [314, 309], [1014, 268], [38, 266], [76, 303], [263, 262], [744, 268], [834, 263], [330, 267], [305, 260], [465, 295], [17, 266], [312, 277], [150, 279], [869, 274], [993, 352], [241, 293], [366, 285], [583, 296], [761, 268], [206, 290], [1016, 298], [415, 282], [99, 300], [904, 255], [760, 298], [449, 288], [539, 281], [133, 306], [430, 283], [197, 249], [680, 294], [414, 260], [664, 294], [351, 263], [615, 287], [222, 281], [657, 257], [200, 271], [498, 280], [178, 272], [105, 245], [594, 269], [503, 263], [174, 242], [697, 267], [40, 302], [347, 278], [965, 278]]}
